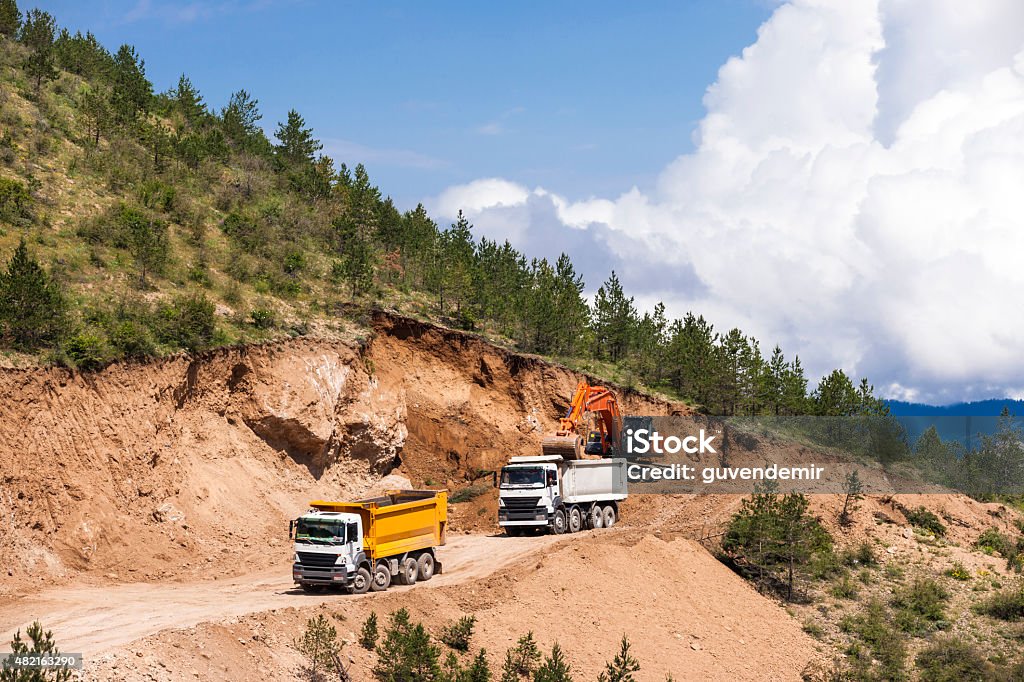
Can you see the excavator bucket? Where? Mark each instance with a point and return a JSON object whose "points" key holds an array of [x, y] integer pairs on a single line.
{"points": [[567, 447]]}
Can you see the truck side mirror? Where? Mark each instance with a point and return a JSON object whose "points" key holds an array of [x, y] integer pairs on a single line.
{"points": [[494, 479], [291, 529]]}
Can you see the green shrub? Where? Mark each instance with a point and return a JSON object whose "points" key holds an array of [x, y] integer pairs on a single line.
{"points": [[950, 659], [458, 634], [521, 660], [920, 606], [157, 195], [88, 349], [925, 520], [320, 647], [1005, 605], [187, 322], [132, 339], [15, 202], [863, 555], [888, 647], [845, 589], [262, 318]]}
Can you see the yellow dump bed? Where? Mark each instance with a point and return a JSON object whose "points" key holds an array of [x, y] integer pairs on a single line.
{"points": [[398, 522]]}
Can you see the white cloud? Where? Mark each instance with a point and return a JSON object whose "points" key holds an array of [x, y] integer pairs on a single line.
{"points": [[855, 195]]}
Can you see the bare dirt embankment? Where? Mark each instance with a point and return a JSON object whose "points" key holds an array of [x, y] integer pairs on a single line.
{"points": [[187, 468]]}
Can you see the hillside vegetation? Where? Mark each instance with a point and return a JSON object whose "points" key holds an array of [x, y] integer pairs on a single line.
{"points": [[137, 222]]}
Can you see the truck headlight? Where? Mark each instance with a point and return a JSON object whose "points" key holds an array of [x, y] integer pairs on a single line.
{"points": [[340, 560], [501, 501], [295, 559]]}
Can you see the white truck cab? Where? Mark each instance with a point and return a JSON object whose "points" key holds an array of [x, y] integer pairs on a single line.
{"points": [[328, 548]]}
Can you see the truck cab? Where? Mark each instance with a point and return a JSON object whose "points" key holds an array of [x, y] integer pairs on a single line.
{"points": [[529, 492], [328, 548]]}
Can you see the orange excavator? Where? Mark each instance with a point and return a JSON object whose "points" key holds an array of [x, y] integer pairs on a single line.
{"points": [[591, 427]]}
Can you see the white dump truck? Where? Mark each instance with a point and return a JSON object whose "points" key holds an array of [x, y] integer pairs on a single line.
{"points": [[560, 495]]}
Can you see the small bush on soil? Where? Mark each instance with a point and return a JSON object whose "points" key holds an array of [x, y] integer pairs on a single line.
{"points": [[958, 572], [925, 520], [467, 494], [458, 634], [406, 652], [622, 667], [950, 659], [319, 644], [522, 660], [920, 606], [42, 643]]}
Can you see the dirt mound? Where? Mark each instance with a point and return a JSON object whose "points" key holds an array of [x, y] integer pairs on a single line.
{"points": [[684, 613]]}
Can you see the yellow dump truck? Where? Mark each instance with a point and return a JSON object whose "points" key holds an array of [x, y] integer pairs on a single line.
{"points": [[363, 545]]}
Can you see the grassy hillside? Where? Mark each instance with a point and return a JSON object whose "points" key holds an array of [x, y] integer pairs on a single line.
{"points": [[163, 223]]}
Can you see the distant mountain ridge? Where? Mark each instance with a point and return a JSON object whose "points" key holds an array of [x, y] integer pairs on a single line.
{"points": [[981, 408]]}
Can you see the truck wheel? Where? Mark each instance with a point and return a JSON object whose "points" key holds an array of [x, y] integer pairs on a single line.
{"points": [[425, 567], [558, 522], [596, 517], [609, 516], [408, 572], [361, 581], [575, 520], [381, 578]]}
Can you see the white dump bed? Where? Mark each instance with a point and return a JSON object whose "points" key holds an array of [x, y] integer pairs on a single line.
{"points": [[593, 480]]}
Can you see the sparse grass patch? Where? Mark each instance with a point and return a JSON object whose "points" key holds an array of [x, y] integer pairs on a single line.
{"points": [[950, 659], [1005, 605], [470, 493], [844, 589], [958, 572]]}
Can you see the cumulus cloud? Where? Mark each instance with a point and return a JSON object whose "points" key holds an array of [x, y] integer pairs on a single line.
{"points": [[854, 195]]}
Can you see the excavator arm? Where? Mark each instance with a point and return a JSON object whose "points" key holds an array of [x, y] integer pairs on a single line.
{"points": [[570, 442]]}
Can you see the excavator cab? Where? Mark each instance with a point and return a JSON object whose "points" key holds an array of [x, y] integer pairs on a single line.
{"points": [[568, 441]]}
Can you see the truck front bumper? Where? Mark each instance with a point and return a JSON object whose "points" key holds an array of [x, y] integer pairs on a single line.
{"points": [[536, 517], [321, 575]]}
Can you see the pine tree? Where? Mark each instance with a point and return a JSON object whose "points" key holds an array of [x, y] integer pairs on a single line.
{"points": [[37, 34], [188, 101], [95, 107], [42, 643], [406, 654], [32, 306], [132, 93], [369, 634], [240, 120], [554, 668], [614, 320], [522, 660], [10, 18], [83, 55], [622, 667], [297, 145]]}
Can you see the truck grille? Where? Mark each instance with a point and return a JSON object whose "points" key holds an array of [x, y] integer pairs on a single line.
{"points": [[521, 503], [315, 560]]}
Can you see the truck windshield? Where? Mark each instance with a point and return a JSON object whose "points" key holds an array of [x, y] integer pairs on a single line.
{"points": [[519, 476], [322, 531]]}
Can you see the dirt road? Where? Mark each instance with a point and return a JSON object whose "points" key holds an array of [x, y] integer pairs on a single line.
{"points": [[91, 620]]}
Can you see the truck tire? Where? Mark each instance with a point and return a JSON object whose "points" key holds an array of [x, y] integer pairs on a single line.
{"points": [[558, 522], [361, 581], [408, 572], [609, 516], [575, 520], [596, 516], [381, 577], [425, 566]]}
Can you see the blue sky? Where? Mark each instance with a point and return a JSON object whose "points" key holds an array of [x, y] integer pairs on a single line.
{"points": [[586, 98]]}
